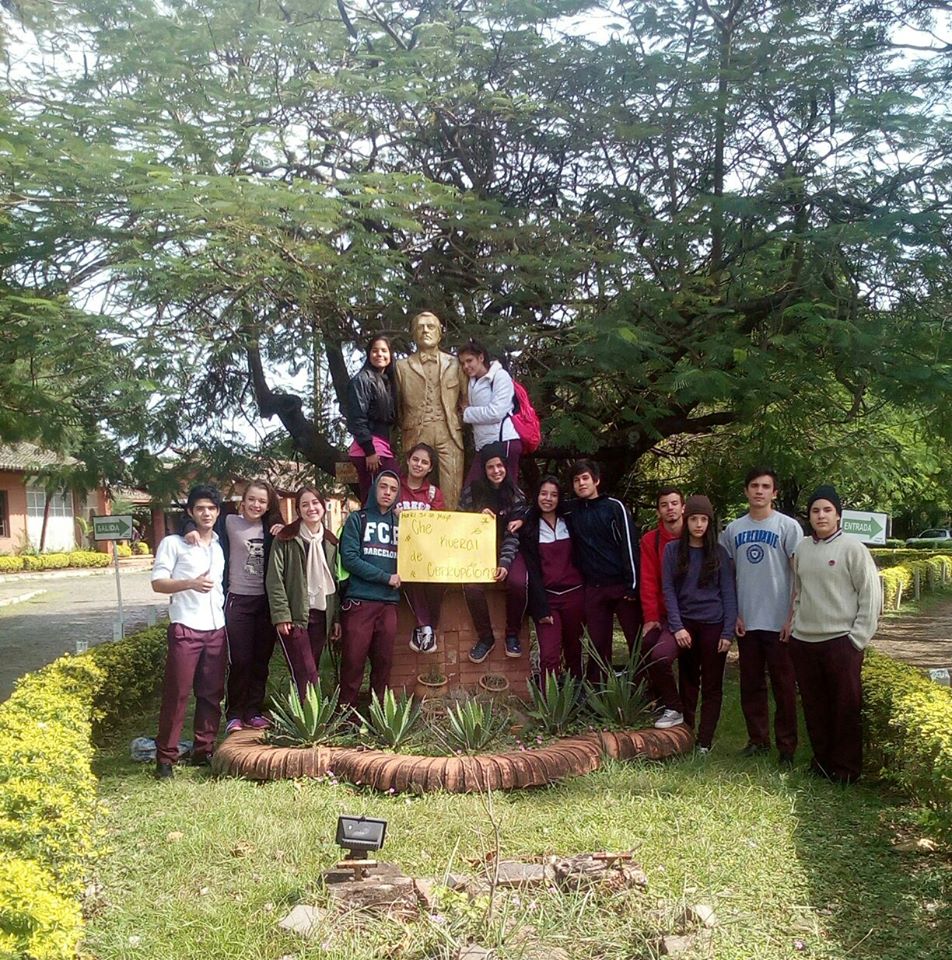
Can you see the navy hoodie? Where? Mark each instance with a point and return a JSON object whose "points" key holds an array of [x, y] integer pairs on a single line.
{"points": [[368, 549], [605, 541]]}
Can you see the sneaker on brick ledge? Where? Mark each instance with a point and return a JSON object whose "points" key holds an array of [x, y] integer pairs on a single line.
{"points": [[427, 641], [513, 646], [415, 639], [670, 718], [233, 725], [481, 649]]}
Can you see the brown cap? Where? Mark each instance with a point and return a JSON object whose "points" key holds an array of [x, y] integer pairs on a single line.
{"points": [[698, 504]]}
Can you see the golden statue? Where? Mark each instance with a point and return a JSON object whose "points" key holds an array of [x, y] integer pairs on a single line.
{"points": [[428, 391]]}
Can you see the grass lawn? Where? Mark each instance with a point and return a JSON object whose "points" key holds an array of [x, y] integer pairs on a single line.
{"points": [[199, 868]]}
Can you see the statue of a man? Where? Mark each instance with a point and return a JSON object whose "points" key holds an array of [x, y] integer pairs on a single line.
{"points": [[428, 386]]}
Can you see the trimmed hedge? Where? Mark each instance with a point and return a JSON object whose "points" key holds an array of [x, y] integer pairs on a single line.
{"points": [[934, 572], [47, 790], [908, 732], [884, 557], [54, 561]]}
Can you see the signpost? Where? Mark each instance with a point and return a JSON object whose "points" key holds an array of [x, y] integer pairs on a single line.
{"points": [[869, 527], [114, 529]]}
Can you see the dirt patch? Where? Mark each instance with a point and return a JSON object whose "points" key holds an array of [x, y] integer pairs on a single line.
{"points": [[922, 640]]}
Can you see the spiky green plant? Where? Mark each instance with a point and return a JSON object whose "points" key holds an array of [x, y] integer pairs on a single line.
{"points": [[555, 705], [470, 726], [618, 701], [390, 721], [316, 719]]}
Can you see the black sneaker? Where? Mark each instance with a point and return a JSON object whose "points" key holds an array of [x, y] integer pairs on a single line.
{"points": [[415, 639], [482, 649], [513, 647], [786, 761], [755, 750], [163, 771]]}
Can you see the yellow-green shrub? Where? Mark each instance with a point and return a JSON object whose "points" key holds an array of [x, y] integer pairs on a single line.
{"points": [[11, 564], [885, 557], [46, 561], [88, 558], [933, 572], [908, 732], [142, 549], [124, 550], [47, 789]]}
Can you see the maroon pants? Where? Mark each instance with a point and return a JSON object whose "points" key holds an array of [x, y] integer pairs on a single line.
{"points": [[517, 594], [602, 604], [365, 478], [659, 651], [562, 637], [701, 669], [425, 600], [762, 654], [370, 629], [513, 455], [302, 649], [831, 691], [251, 638], [196, 661]]}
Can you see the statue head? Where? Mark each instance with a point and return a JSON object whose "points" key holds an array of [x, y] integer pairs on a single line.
{"points": [[426, 330]]}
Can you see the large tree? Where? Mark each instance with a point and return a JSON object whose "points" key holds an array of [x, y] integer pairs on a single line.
{"points": [[699, 214]]}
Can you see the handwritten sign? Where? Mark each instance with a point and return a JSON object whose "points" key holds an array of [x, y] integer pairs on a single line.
{"points": [[437, 546]]}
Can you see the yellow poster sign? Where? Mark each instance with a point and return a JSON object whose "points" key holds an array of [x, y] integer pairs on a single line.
{"points": [[438, 546]]}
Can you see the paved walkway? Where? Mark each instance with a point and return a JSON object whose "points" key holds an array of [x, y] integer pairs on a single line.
{"points": [[36, 631], [923, 640]]}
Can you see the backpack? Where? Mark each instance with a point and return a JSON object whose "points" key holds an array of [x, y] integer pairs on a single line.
{"points": [[525, 419]]}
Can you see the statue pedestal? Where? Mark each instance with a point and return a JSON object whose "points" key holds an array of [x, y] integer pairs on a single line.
{"points": [[454, 638]]}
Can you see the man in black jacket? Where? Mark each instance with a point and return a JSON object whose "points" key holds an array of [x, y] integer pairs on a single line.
{"points": [[605, 541]]}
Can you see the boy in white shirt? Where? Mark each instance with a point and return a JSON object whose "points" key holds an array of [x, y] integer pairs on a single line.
{"points": [[197, 657]]}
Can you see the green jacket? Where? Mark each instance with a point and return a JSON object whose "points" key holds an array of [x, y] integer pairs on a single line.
{"points": [[286, 580]]}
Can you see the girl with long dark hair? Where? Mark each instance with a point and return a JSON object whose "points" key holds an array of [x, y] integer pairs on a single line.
{"points": [[701, 604], [301, 588], [371, 413], [495, 493], [556, 592]]}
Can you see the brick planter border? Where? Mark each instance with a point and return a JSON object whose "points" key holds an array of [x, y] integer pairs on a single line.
{"points": [[244, 754]]}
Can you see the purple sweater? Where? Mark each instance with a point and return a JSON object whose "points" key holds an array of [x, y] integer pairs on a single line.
{"points": [[687, 600]]}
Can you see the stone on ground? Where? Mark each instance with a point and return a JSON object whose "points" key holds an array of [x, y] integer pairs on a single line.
{"points": [[304, 920]]}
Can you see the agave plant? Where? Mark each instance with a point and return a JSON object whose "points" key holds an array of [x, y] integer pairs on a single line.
{"points": [[619, 700], [471, 726], [555, 704], [314, 720], [391, 720]]}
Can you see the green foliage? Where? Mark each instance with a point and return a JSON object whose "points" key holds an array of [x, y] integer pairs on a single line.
{"points": [[11, 564], [316, 720], [142, 549], [887, 557], [123, 551], [35, 922], [619, 700], [54, 561], [898, 581], [555, 705], [908, 731], [470, 726], [390, 721]]}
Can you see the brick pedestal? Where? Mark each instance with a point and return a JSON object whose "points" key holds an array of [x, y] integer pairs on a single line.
{"points": [[455, 636]]}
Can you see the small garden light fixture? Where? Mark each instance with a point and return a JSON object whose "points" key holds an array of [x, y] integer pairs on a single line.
{"points": [[359, 836]]}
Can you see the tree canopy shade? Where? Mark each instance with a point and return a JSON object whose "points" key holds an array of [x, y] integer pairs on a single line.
{"points": [[696, 215]]}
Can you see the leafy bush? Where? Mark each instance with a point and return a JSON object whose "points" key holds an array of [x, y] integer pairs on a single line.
{"points": [[884, 557], [556, 705], [47, 789], [619, 700], [46, 561], [141, 549], [908, 733], [391, 720], [54, 561], [471, 726], [124, 550], [11, 564], [934, 572], [316, 720], [88, 558]]}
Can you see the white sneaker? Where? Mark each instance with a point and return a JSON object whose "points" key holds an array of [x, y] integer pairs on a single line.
{"points": [[416, 640], [670, 718], [427, 640]]}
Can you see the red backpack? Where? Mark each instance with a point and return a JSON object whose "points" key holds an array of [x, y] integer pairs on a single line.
{"points": [[525, 419]]}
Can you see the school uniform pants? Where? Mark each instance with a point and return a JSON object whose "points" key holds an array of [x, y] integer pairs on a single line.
{"points": [[425, 601], [701, 671], [512, 458], [196, 662], [602, 605], [562, 637], [762, 655], [517, 597], [251, 639], [659, 652], [831, 691], [369, 630], [365, 478], [302, 649]]}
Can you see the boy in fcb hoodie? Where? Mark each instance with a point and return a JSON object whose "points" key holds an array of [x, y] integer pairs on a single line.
{"points": [[368, 550]]}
